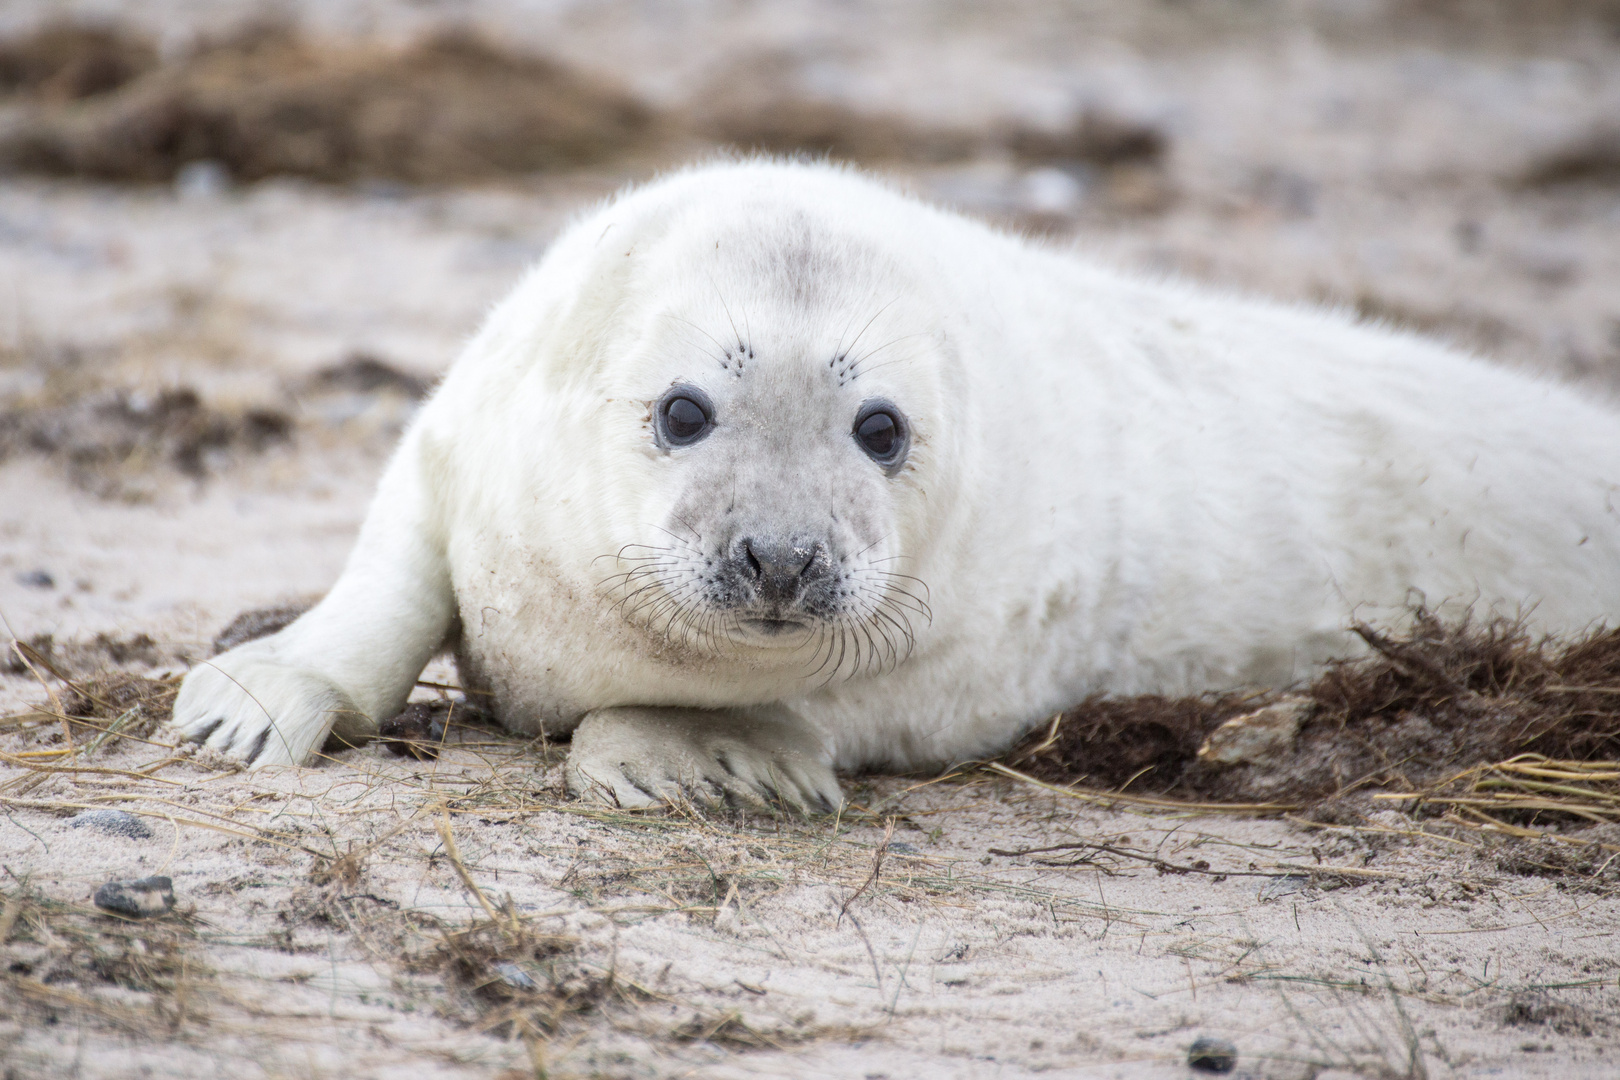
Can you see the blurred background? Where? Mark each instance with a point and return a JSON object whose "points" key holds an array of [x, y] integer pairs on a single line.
{"points": [[239, 240]]}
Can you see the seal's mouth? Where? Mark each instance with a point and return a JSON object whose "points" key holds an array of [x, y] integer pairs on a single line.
{"points": [[770, 628]]}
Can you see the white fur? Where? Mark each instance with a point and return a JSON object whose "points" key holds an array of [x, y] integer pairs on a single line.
{"points": [[1116, 485]]}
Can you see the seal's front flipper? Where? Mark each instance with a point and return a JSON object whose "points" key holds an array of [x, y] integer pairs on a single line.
{"points": [[638, 757], [348, 662]]}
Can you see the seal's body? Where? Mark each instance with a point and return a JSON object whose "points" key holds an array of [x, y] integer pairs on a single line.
{"points": [[767, 469]]}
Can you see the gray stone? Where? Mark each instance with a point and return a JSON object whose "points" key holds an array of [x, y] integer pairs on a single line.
{"points": [[1263, 737], [112, 822], [1208, 1054], [138, 899], [514, 976]]}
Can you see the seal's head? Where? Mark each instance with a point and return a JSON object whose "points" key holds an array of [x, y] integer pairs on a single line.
{"points": [[778, 389]]}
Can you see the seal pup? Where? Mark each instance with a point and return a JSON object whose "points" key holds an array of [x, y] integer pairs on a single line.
{"points": [[767, 470]]}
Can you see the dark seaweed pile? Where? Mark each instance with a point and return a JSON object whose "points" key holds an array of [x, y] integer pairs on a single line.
{"points": [[1419, 706]]}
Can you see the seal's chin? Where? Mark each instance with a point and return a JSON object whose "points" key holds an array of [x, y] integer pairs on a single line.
{"points": [[772, 630]]}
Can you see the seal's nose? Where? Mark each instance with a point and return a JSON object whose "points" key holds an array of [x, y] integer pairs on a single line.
{"points": [[779, 566]]}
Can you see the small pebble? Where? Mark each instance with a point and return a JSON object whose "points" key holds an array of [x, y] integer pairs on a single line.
{"points": [[1212, 1055], [36, 579], [514, 976], [206, 179], [139, 899], [113, 822]]}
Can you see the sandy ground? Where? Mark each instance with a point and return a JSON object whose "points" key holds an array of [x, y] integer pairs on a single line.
{"points": [[1310, 159], [1322, 954]]}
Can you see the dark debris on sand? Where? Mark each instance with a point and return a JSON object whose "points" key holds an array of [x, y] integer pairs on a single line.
{"points": [[1539, 1009], [256, 623], [108, 438], [64, 61], [111, 430], [511, 977], [85, 656], [1593, 158], [362, 373], [418, 731], [455, 107], [101, 697], [1420, 706], [55, 946], [269, 101]]}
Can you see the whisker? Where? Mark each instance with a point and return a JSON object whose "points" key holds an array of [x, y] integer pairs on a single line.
{"points": [[882, 622], [868, 325], [677, 536], [864, 357], [664, 588], [717, 358], [720, 296], [895, 657]]}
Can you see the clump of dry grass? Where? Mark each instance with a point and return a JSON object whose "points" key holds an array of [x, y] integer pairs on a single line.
{"points": [[122, 703], [1527, 789], [84, 715], [516, 979], [1146, 744], [62, 956]]}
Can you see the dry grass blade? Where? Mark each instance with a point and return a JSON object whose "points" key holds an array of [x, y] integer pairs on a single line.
{"points": [[877, 869], [1120, 798], [461, 869], [29, 656], [1529, 789]]}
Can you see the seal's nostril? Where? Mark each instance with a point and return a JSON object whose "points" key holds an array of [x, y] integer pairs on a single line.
{"points": [[751, 558], [809, 559]]}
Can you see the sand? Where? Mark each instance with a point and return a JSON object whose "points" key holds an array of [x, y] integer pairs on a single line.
{"points": [[1323, 953], [1309, 159]]}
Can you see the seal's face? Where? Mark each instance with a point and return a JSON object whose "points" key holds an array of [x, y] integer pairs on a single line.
{"points": [[781, 554], [778, 526]]}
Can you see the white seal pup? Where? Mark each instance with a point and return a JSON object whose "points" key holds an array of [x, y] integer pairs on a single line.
{"points": [[768, 470]]}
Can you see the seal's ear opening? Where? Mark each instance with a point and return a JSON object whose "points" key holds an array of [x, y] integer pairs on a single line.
{"points": [[882, 432], [683, 416]]}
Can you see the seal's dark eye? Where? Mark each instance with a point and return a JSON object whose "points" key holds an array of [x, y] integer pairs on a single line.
{"points": [[881, 430], [685, 419], [878, 434], [685, 416]]}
